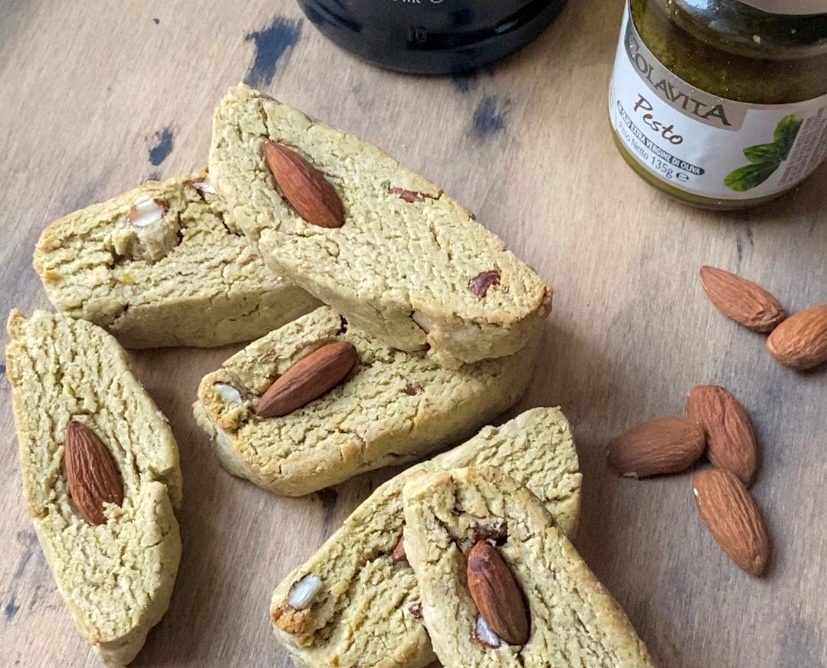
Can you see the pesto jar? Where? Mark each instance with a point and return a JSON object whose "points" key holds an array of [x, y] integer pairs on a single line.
{"points": [[721, 103]]}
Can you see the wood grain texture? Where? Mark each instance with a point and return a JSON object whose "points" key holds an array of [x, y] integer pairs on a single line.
{"points": [[95, 100]]}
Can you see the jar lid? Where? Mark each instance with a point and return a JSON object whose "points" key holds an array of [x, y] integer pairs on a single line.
{"points": [[790, 7]]}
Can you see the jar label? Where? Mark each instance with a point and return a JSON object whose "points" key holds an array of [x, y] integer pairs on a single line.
{"points": [[704, 144]]}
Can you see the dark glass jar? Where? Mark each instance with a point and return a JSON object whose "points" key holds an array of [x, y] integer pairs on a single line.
{"points": [[431, 36]]}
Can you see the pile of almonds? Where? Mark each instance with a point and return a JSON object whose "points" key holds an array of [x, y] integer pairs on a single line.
{"points": [[715, 424], [798, 341]]}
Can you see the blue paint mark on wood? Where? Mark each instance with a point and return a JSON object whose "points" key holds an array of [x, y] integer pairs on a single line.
{"points": [[271, 44], [489, 117], [463, 83], [27, 540], [10, 609], [161, 145]]}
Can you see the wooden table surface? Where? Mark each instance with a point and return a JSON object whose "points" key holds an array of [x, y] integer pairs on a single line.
{"points": [[96, 99]]}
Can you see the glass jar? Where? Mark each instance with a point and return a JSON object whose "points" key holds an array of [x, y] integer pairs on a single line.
{"points": [[431, 36], [721, 103]]}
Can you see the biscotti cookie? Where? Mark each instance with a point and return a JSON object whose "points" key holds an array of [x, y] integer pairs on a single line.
{"points": [[157, 266], [501, 585], [100, 476], [408, 264], [355, 603], [393, 407]]}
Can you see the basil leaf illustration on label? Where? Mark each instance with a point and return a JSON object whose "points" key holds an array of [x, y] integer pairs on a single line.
{"points": [[750, 176], [763, 153], [765, 158], [785, 134]]}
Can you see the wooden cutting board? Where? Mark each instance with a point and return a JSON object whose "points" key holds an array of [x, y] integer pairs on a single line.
{"points": [[97, 98]]}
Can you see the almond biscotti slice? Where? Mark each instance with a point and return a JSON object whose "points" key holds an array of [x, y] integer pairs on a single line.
{"points": [[100, 476], [157, 266], [393, 407], [356, 603], [409, 265], [500, 583]]}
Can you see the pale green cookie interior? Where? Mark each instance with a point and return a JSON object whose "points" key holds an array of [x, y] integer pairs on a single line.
{"points": [[366, 612], [394, 407], [186, 280], [399, 270], [574, 621], [117, 577]]}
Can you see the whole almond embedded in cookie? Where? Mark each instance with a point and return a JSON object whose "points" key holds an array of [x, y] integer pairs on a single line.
{"points": [[662, 445], [733, 518], [304, 187], [730, 439], [800, 342], [497, 595], [91, 474], [308, 379], [741, 300]]}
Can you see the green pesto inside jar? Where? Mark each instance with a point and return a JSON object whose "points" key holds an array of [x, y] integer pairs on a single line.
{"points": [[731, 50]]}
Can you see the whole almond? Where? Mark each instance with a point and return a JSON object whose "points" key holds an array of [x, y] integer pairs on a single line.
{"points": [[730, 439], [497, 595], [308, 379], [741, 300], [800, 342], [91, 474], [304, 187], [662, 445], [733, 518]]}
